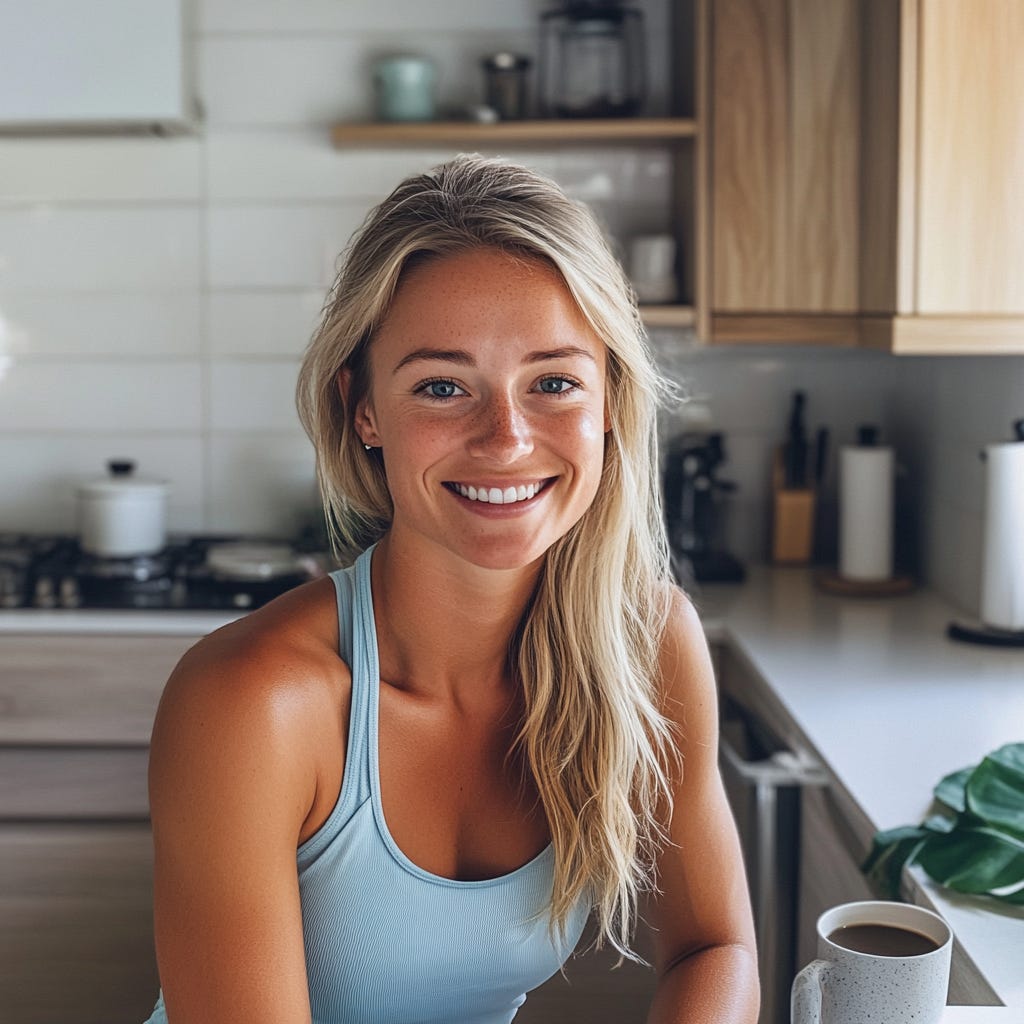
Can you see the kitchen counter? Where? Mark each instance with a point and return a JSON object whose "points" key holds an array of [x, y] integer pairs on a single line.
{"points": [[890, 705], [112, 622]]}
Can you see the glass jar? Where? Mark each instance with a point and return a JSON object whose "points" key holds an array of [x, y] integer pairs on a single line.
{"points": [[592, 60]]}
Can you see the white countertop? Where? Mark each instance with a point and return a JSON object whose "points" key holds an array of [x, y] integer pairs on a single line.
{"points": [[891, 705], [126, 622]]}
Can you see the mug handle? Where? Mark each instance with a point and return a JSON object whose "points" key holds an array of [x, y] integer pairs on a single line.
{"points": [[806, 1002]]}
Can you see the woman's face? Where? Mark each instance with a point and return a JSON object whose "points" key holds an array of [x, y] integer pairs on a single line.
{"points": [[487, 399]]}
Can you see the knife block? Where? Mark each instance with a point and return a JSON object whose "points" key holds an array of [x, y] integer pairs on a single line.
{"points": [[792, 518]]}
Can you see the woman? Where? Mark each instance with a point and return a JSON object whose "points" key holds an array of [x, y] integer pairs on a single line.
{"points": [[520, 729]]}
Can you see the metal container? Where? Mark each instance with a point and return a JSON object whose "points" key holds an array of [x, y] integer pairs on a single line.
{"points": [[505, 80]]}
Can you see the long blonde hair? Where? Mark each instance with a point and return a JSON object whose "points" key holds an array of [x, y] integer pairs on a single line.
{"points": [[586, 650]]}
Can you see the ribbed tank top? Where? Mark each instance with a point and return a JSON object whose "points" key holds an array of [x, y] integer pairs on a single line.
{"points": [[387, 942]]}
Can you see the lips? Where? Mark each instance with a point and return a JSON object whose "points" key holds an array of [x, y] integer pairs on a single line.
{"points": [[510, 494]]}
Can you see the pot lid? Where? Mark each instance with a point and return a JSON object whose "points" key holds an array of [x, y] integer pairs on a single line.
{"points": [[121, 480], [253, 561]]}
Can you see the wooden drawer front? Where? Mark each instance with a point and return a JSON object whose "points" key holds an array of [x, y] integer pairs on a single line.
{"points": [[76, 924], [83, 689], [40, 783]]}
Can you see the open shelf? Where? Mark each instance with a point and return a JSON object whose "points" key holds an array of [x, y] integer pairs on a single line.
{"points": [[565, 130], [668, 316]]}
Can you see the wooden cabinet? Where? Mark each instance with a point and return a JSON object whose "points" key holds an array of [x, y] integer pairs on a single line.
{"points": [[830, 858], [863, 169], [76, 923], [784, 175], [76, 876]]}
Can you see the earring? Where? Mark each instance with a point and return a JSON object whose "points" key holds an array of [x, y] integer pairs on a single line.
{"points": [[368, 447]]}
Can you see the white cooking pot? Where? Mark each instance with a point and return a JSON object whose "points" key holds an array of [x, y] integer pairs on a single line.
{"points": [[121, 515]]}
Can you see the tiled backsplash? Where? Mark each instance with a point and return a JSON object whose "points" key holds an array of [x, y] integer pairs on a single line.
{"points": [[156, 294]]}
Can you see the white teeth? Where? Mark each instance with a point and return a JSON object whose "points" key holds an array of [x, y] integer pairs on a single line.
{"points": [[497, 496]]}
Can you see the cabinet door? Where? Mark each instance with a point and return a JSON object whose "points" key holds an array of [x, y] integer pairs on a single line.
{"points": [[830, 874], [593, 990], [971, 158], [83, 690], [784, 174], [76, 923]]}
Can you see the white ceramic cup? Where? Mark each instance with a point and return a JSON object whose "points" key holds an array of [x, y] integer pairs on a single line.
{"points": [[845, 987], [652, 267]]}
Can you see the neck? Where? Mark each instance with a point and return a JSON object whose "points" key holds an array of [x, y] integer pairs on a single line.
{"points": [[444, 625]]}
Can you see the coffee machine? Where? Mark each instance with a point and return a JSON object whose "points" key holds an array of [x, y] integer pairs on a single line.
{"points": [[692, 494]]}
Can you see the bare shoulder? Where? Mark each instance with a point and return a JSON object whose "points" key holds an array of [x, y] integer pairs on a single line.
{"points": [[687, 680], [281, 655], [267, 690], [684, 659]]}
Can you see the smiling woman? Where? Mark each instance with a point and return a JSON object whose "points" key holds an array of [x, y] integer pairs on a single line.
{"points": [[398, 795], [492, 446]]}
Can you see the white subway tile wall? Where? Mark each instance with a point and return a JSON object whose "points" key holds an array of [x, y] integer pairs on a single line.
{"points": [[156, 293]]}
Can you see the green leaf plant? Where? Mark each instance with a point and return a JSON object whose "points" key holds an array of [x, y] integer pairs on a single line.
{"points": [[973, 843]]}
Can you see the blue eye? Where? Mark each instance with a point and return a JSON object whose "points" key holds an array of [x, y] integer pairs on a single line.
{"points": [[439, 389], [556, 385]]}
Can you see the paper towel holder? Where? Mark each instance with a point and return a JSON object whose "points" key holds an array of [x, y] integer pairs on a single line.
{"points": [[979, 632]]}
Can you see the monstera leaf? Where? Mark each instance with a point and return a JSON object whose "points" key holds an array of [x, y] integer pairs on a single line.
{"points": [[974, 843]]}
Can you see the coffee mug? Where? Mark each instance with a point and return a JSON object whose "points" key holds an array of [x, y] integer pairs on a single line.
{"points": [[652, 267], [877, 961], [405, 87]]}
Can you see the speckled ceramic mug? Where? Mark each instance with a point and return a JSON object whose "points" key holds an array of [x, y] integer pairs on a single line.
{"points": [[847, 987]]}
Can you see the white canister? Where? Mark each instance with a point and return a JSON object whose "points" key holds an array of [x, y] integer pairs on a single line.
{"points": [[122, 515], [652, 267]]}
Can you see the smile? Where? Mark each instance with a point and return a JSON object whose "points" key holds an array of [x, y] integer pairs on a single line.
{"points": [[500, 495]]}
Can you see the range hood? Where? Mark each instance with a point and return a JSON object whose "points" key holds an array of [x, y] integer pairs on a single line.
{"points": [[95, 65]]}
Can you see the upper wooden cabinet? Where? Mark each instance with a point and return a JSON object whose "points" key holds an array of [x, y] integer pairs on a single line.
{"points": [[863, 170]]}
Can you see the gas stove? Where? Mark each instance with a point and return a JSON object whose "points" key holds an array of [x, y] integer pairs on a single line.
{"points": [[192, 573]]}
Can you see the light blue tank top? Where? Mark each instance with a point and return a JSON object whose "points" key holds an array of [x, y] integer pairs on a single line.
{"points": [[387, 942]]}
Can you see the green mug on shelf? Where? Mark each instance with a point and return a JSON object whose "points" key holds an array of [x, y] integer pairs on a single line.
{"points": [[404, 85]]}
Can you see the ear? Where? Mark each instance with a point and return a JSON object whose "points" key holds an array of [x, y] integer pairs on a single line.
{"points": [[363, 416]]}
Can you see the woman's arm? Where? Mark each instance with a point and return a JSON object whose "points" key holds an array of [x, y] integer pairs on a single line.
{"points": [[232, 779], [701, 920]]}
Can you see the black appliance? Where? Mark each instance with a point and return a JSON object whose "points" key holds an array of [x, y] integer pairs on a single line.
{"points": [[42, 571], [692, 494]]}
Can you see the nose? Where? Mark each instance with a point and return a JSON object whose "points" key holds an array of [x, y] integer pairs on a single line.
{"points": [[502, 432]]}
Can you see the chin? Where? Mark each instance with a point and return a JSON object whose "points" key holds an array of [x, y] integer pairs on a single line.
{"points": [[506, 557]]}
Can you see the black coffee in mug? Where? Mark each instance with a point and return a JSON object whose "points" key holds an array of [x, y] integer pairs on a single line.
{"points": [[882, 940]]}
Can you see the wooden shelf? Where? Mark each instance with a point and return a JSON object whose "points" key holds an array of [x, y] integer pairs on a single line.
{"points": [[668, 316], [565, 131]]}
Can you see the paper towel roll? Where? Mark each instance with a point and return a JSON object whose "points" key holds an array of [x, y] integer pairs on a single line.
{"points": [[1002, 575], [865, 512]]}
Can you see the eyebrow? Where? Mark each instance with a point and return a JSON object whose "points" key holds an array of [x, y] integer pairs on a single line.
{"points": [[463, 358]]}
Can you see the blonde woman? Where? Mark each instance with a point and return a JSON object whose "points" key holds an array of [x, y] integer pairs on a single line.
{"points": [[397, 794]]}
